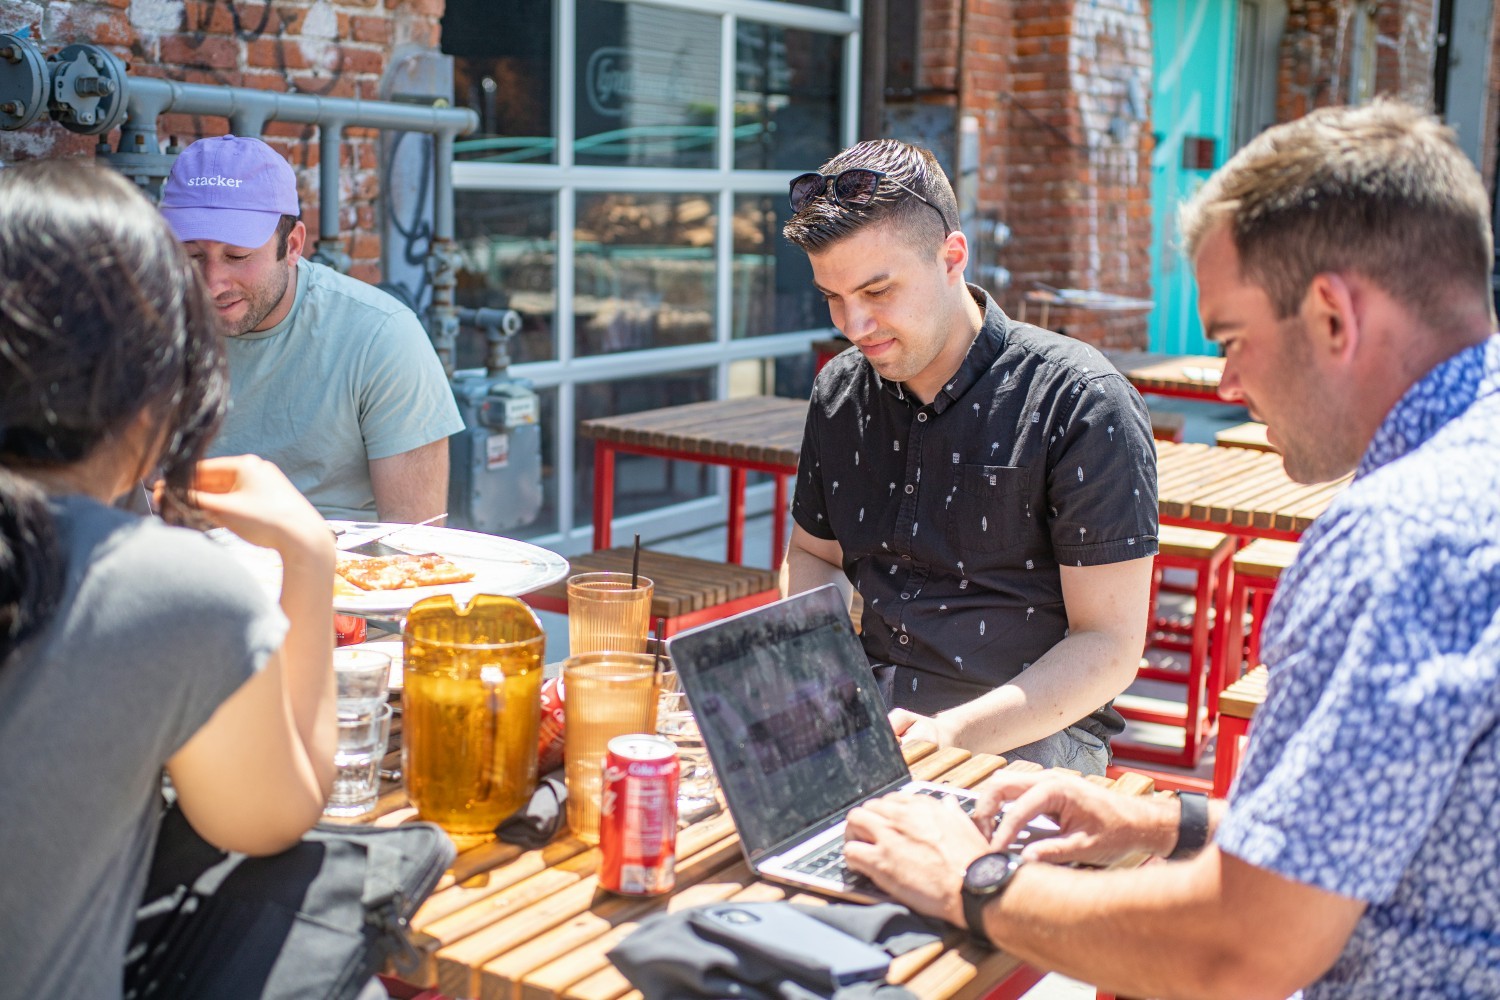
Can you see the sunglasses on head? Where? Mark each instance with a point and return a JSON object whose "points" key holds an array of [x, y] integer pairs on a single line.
{"points": [[852, 187]]}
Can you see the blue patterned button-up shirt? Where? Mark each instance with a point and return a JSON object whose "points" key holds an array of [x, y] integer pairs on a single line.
{"points": [[1374, 765]]}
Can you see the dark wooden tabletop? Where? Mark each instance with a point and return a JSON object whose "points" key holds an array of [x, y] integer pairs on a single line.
{"points": [[765, 430]]}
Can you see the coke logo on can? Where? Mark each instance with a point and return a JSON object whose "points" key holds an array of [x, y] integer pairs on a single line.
{"points": [[638, 808], [551, 734]]}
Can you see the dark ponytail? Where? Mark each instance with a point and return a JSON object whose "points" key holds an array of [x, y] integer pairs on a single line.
{"points": [[30, 569], [102, 319]]}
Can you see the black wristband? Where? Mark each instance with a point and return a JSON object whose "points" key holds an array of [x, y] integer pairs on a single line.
{"points": [[1192, 825]]}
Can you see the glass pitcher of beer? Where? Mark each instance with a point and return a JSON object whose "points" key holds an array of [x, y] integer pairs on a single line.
{"points": [[470, 705]]}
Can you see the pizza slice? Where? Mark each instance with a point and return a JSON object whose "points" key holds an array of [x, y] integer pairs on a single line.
{"points": [[401, 572]]}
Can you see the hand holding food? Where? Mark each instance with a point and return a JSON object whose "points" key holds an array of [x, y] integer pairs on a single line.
{"points": [[254, 499]]}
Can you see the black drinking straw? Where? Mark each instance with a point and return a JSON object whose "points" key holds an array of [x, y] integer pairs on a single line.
{"points": [[660, 624], [635, 563]]}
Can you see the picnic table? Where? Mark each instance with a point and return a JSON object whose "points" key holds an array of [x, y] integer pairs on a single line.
{"points": [[1182, 376], [506, 922], [750, 434], [1238, 491]]}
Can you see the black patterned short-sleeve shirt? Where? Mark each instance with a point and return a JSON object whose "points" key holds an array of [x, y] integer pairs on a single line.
{"points": [[954, 516]]}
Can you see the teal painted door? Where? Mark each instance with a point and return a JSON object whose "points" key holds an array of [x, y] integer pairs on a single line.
{"points": [[1191, 113]]}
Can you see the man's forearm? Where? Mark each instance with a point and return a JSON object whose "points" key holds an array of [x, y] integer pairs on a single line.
{"points": [[1074, 678], [802, 571]]}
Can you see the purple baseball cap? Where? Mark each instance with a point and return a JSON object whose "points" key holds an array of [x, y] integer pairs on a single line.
{"points": [[229, 189]]}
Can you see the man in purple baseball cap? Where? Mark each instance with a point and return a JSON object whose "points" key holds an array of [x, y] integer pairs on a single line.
{"points": [[330, 378]]}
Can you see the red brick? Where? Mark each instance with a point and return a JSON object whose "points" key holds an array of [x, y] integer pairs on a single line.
{"points": [[373, 30], [274, 53], [208, 52]]}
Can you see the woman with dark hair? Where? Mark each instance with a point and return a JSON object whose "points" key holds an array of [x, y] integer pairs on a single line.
{"points": [[128, 646]]}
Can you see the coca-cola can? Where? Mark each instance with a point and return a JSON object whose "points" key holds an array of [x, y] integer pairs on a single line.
{"points": [[551, 733], [638, 824]]}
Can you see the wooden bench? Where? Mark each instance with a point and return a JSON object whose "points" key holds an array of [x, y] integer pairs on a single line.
{"points": [[1251, 434], [1257, 570], [1168, 426], [1237, 706], [687, 591]]}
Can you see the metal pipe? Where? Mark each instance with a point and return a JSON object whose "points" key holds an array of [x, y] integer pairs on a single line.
{"points": [[442, 269], [330, 248], [253, 108]]}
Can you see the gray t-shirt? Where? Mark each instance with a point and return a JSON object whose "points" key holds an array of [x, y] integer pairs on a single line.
{"points": [[348, 376], [156, 628]]}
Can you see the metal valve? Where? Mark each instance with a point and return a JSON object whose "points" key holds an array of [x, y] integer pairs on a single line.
{"points": [[88, 89], [23, 82]]}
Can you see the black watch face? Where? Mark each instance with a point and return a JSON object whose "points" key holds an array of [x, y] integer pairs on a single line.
{"points": [[987, 871]]}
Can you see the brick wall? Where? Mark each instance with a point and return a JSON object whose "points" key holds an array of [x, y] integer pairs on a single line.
{"points": [[1319, 47], [333, 49], [1045, 81]]}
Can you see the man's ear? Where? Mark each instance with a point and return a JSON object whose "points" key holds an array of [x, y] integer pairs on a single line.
{"points": [[955, 255], [1330, 309], [295, 241]]}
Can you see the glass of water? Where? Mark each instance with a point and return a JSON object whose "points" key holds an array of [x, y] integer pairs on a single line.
{"points": [[363, 735], [697, 788]]}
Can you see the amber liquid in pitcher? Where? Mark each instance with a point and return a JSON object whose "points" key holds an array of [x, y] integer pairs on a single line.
{"points": [[470, 746]]}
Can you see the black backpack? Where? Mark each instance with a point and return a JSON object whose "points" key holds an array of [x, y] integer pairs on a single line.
{"points": [[317, 920]]}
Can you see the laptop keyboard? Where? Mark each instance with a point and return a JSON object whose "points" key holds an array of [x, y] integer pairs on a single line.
{"points": [[828, 860]]}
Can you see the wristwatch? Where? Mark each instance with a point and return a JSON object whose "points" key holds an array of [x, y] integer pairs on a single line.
{"points": [[1192, 825], [984, 880]]}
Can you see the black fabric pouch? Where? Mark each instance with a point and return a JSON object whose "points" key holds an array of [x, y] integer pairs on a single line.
{"points": [[317, 920]]}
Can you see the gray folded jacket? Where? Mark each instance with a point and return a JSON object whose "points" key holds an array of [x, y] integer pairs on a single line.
{"points": [[683, 955]]}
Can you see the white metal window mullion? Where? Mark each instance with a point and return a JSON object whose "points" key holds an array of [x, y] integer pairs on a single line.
{"points": [[565, 31], [850, 100], [724, 243], [785, 15]]}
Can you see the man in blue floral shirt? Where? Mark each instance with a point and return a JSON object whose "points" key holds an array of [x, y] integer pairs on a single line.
{"points": [[1343, 262]]}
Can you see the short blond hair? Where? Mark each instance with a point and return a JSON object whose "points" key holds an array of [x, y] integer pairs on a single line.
{"points": [[1381, 190]]}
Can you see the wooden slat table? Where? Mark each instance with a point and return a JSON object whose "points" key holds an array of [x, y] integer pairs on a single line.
{"points": [[1236, 490], [507, 923], [1184, 376], [751, 434]]}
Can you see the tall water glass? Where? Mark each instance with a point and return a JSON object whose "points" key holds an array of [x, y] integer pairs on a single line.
{"points": [[363, 677], [363, 736], [608, 695], [696, 787], [471, 704], [606, 613]]}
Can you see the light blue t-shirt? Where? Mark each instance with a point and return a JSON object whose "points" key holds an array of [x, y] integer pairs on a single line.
{"points": [[1374, 765], [348, 376]]}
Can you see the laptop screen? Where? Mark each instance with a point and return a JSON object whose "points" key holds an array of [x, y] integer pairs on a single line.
{"points": [[790, 713]]}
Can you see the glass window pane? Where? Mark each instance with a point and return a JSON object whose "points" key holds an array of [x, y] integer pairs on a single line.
{"points": [[504, 72], [772, 282], [644, 271], [648, 86], [825, 4], [641, 482], [786, 104], [507, 259]]}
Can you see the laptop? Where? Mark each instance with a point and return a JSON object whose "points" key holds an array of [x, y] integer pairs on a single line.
{"points": [[794, 723]]}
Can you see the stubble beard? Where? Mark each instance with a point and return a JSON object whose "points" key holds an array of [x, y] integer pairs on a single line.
{"points": [[261, 301]]}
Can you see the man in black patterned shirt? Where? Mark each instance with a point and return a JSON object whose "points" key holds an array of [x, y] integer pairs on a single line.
{"points": [[987, 486]]}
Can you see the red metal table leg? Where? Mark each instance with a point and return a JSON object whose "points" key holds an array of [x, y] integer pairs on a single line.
{"points": [[737, 477], [1227, 753], [604, 494], [778, 524]]}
